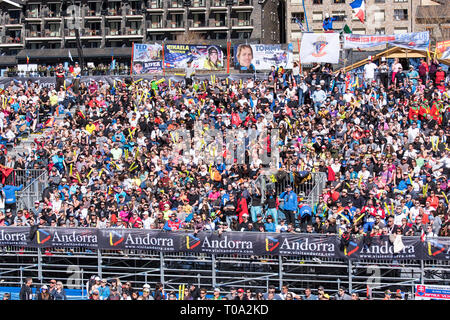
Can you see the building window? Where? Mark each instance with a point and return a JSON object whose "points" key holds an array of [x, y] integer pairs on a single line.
{"points": [[53, 30], [220, 19], [400, 14], [217, 35], [430, 31], [300, 16], [338, 1], [296, 35], [93, 7], [243, 35], [400, 0], [156, 21], [380, 1], [359, 31], [379, 16], [380, 31], [317, 1], [445, 32], [317, 16], [114, 28], [339, 15], [33, 11], [54, 9], [244, 18], [199, 20], [400, 30], [155, 4]]}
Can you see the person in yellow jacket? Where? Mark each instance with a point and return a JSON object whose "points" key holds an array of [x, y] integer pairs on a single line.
{"points": [[90, 127], [53, 100]]}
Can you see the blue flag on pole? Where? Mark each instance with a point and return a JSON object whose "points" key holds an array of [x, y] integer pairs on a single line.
{"points": [[300, 24]]}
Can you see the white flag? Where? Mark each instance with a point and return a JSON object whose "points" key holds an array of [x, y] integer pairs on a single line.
{"points": [[320, 47], [70, 56], [398, 244]]}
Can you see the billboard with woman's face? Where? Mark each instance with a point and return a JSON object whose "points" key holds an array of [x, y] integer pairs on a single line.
{"points": [[203, 57], [251, 57]]}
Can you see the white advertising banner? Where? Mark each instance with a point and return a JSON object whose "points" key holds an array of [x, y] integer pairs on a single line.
{"points": [[320, 47]]}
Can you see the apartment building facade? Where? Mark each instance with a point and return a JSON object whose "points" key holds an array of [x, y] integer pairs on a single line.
{"points": [[50, 24], [382, 16]]}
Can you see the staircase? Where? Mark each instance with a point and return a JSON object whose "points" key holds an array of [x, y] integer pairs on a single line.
{"points": [[310, 190], [34, 181], [25, 145]]}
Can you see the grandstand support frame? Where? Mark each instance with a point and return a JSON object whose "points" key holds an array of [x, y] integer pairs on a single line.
{"points": [[211, 271]]}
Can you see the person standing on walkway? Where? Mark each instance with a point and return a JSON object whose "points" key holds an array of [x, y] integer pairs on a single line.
{"points": [[26, 293], [290, 204]]}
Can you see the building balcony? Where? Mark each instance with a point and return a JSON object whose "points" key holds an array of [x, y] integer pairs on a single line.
{"points": [[51, 15], [242, 4], [113, 13], [197, 24], [84, 33], [91, 14], [90, 33], [136, 13], [155, 5], [175, 4], [127, 32], [176, 25], [33, 15], [218, 5], [197, 5], [242, 24], [41, 35], [10, 22], [165, 26], [13, 42]]}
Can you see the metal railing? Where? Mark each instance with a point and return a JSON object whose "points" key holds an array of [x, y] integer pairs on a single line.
{"points": [[242, 23], [243, 3], [155, 4], [309, 190], [34, 182], [73, 266], [175, 4], [218, 3], [198, 4]]}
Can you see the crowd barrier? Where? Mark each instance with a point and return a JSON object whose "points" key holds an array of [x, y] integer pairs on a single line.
{"points": [[239, 243], [48, 81]]}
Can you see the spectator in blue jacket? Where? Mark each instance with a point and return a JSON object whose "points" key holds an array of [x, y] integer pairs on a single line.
{"points": [[328, 22], [290, 204], [10, 193], [103, 290], [269, 225]]}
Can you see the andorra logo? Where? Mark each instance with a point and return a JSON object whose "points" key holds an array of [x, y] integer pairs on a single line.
{"points": [[271, 244], [319, 47], [351, 248], [192, 241], [112, 238], [435, 248], [42, 236]]}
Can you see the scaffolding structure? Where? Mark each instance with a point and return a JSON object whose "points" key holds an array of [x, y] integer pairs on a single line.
{"points": [[75, 266]]}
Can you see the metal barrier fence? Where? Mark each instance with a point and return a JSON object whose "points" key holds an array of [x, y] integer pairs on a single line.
{"points": [[309, 190], [34, 182], [75, 266]]}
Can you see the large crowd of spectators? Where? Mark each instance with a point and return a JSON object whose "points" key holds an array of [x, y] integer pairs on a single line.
{"points": [[114, 289], [381, 140]]}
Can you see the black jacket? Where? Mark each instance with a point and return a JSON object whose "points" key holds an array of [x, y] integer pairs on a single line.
{"points": [[26, 293]]}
